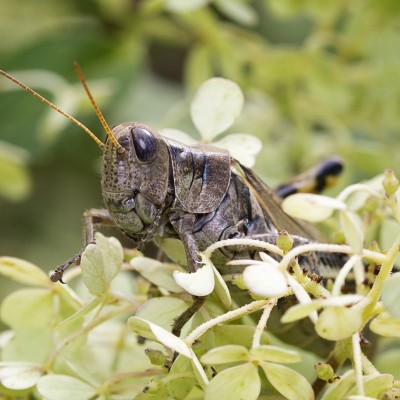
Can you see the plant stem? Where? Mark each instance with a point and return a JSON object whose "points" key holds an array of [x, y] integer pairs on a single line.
{"points": [[262, 323], [355, 340], [230, 315]]}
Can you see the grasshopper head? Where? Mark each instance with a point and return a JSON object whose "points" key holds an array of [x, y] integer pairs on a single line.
{"points": [[135, 176]]}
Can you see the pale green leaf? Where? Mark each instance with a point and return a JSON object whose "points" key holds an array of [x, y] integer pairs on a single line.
{"points": [[265, 280], [180, 386], [185, 5], [385, 325], [236, 334], [241, 146], [199, 283], [153, 332], [198, 370], [23, 272], [157, 272], [178, 135], [388, 232], [275, 354], [225, 354], [28, 308], [100, 263], [299, 311], [19, 375], [311, 207], [162, 310], [353, 230], [341, 387], [92, 268], [391, 295], [221, 288], [387, 361], [337, 323], [287, 381], [239, 11], [29, 345], [174, 249], [63, 387], [236, 383], [374, 385], [113, 255], [215, 106]]}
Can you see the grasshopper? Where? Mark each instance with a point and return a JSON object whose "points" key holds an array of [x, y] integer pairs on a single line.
{"points": [[155, 188]]}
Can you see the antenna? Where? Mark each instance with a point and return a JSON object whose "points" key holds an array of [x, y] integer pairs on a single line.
{"points": [[96, 108], [54, 107]]}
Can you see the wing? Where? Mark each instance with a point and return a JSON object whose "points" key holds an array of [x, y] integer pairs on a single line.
{"points": [[201, 175], [271, 205]]}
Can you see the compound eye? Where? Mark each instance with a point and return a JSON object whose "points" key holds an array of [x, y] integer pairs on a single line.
{"points": [[145, 145]]}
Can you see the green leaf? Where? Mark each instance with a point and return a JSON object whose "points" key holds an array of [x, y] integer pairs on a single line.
{"points": [[387, 361], [184, 5], [287, 381], [178, 135], [23, 272], [275, 354], [236, 383], [385, 325], [236, 334], [374, 386], [337, 323], [113, 255], [157, 272], [63, 387], [225, 354], [19, 375], [162, 310], [180, 386], [215, 106], [100, 263], [239, 11], [341, 387], [353, 230], [391, 295], [174, 249], [28, 308], [29, 345], [221, 288], [198, 371], [241, 146], [311, 207], [299, 311], [153, 332]]}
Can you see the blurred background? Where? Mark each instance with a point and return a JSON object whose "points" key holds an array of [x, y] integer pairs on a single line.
{"points": [[319, 78]]}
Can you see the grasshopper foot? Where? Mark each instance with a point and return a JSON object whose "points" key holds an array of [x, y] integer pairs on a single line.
{"points": [[57, 275]]}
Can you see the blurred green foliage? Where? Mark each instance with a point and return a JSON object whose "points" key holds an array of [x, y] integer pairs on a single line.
{"points": [[319, 78]]}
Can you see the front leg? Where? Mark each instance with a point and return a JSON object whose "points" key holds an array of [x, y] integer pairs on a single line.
{"points": [[183, 225], [92, 217]]}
